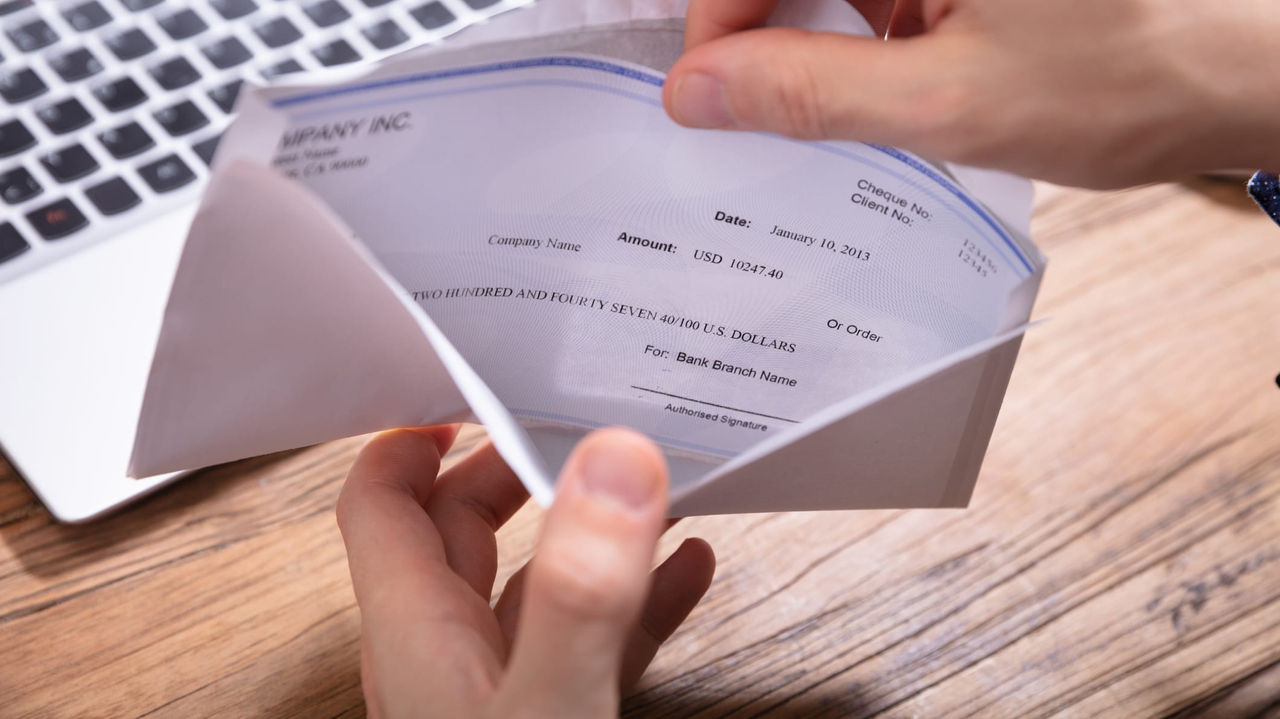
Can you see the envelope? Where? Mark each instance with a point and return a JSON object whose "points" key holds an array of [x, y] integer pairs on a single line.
{"points": [[513, 232]]}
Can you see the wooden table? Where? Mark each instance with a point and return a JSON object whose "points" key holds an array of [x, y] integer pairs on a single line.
{"points": [[1121, 556]]}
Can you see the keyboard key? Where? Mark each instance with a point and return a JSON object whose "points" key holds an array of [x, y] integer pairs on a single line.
{"points": [[224, 96], [69, 163], [130, 44], [226, 53], [113, 196], [183, 24], [326, 12], [75, 65], [166, 174], [205, 148], [432, 15], [19, 85], [126, 141], [338, 52], [87, 16], [375, 3], [17, 186], [233, 9], [287, 67], [181, 118], [175, 73], [480, 4], [12, 6], [277, 33], [33, 36], [57, 220], [120, 95], [11, 242], [140, 5], [384, 35], [14, 138], [65, 116]]}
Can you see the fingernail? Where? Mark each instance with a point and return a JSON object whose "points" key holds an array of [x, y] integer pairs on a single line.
{"points": [[698, 101], [615, 472]]}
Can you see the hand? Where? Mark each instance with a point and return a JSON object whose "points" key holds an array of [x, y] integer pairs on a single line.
{"points": [[573, 628], [1099, 93]]}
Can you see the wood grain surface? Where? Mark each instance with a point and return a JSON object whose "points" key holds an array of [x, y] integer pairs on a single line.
{"points": [[1121, 556]]}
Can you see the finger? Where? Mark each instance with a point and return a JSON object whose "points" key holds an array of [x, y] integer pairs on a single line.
{"points": [[423, 627], [388, 483], [809, 85], [908, 18], [877, 13], [508, 607], [678, 585], [707, 20], [468, 504], [507, 610], [589, 578]]}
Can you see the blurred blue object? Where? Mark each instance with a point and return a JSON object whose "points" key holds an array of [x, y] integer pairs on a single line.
{"points": [[1264, 187]]}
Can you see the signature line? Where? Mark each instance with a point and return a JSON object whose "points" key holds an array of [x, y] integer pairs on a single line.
{"points": [[713, 404]]}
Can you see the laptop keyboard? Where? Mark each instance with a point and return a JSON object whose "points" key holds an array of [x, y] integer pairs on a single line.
{"points": [[111, 110]]}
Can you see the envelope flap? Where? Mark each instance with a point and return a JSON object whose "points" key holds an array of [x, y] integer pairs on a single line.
{"points": [[919, 443], [280, 333]]}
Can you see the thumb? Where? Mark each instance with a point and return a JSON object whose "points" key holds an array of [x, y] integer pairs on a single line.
{"points": [[806, 85], [589, 578]]}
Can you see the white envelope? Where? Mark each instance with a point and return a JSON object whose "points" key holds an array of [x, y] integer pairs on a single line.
{"points": [[309, 309]]}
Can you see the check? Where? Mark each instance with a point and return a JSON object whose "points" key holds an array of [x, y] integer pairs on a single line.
{"points": [[576, 260]]}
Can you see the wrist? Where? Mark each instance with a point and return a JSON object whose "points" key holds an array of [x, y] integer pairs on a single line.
{"points": [[1227, 62]]}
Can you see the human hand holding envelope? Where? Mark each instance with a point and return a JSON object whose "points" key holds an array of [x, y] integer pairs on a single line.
{"points": [[516, 233]]}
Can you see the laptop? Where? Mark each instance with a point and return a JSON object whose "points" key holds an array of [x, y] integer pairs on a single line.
{"points": [[110, 113]]}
